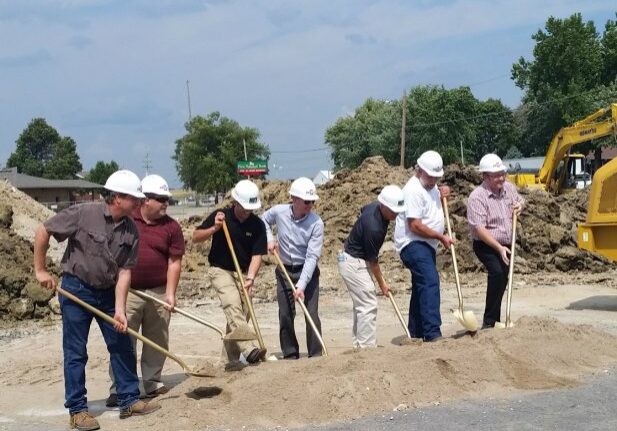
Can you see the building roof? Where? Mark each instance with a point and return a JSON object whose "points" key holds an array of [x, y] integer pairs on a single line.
{"points": [[322, 177], [24, 182]]}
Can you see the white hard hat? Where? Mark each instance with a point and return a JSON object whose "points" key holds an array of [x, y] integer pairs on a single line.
{"points": [[156, 185], [246, 194], [431, 163], [492, 163], [392, 197], [304, 189], [126, 182]]}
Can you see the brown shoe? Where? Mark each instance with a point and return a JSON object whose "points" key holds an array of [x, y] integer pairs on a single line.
{"points": [[139, 408], [83, 421]]}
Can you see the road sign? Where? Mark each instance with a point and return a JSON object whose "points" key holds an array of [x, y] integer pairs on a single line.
{"points": [[252, 167]]}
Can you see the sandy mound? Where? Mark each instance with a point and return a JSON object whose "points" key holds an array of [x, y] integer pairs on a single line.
{"points": [[535, 354]]}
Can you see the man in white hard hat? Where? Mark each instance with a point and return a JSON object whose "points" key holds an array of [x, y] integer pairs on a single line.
{"points": [[418, 232], [489, 213], [157, 273], [360, 259], [299, 241], [248, 235], [96, 267]]}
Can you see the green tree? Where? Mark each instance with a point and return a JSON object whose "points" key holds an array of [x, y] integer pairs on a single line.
{"points": [[572, 74], [207, 154], [101, 171], [41, 152]]}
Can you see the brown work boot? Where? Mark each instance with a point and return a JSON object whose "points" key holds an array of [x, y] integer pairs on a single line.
{"points": [[83, 421], [139, 408]]}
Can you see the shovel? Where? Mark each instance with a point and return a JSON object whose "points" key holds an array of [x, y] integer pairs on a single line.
{"points": [[398, 313], [509, 323], [304, 310], [465, 318], [247, 297], [237, 334], [133, 333]]}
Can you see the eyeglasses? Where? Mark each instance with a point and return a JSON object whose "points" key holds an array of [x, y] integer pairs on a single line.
{"points": [[159, 199], [309, 202]]}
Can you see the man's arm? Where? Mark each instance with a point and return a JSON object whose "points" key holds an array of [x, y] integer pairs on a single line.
{"points": [[249, 280], [41, 244], [313, 252], [122, 290], [376, 270], [174, 267], [201, 235], [419, 228]]}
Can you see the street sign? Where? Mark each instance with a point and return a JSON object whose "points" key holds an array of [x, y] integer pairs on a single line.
{"points": [[252, 167]]}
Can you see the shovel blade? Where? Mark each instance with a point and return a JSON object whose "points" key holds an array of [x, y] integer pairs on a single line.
{"points": [[467, 319]]}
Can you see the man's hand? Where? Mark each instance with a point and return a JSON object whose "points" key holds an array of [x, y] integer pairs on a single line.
{"points": [[170, 299], [504, 252], [248, 285], [121, 324], [46, 280], [273, 246], [444, 191], [446, 241], [218, 220], [299, 295], [517, 208], [385, 289]]}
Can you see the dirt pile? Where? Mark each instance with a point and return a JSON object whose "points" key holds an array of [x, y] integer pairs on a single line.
{"points": [[537, 354]]}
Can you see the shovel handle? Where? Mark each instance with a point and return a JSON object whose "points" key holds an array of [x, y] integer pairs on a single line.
{"points": [[179, 311], [454, 262], [304, 310], [131, 332], [511, 270], [398, 313], [247, 297]]}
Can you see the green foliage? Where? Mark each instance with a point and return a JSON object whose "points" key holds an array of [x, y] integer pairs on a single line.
{"points": [[101, 171], [437, 119], [571, 75], [41, 152], [207, 154]]}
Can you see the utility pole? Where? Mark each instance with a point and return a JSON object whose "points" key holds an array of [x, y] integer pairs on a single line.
{"points": [[403, 124], [462, 157], [147, 163], [188, 96]]}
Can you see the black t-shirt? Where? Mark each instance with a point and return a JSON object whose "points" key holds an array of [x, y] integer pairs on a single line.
{"points": [[368, 234], [248, 238]]}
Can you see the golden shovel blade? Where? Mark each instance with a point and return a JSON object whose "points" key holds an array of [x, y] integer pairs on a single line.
{"points": [[467, 319]]}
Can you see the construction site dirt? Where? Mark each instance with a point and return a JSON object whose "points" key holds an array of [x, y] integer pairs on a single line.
{"points": [[564, 305]]}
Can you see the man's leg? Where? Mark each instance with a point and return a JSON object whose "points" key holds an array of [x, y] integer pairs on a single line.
{"points": [[155, 326], [408, 256], [497, 281], [287, 314], [430, 298], [231, 302], [311, 301], [76, 322], [362, 291]]}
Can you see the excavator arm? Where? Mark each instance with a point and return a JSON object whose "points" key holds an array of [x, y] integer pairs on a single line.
{"points": [[594, 126]]}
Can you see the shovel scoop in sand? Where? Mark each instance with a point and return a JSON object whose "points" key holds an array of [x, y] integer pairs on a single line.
{"points": [[465, 318]]}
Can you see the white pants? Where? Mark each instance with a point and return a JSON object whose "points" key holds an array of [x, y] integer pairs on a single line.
{"points": [[357, 277]]}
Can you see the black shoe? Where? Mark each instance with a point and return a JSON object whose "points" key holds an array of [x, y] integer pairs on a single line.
{"points": [[437, 338], [292, 356], [155, 393], [112, 400], [255, 355]]}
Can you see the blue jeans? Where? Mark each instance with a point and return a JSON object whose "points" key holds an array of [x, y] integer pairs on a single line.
{"points": [[424, 315], [76, 322]]}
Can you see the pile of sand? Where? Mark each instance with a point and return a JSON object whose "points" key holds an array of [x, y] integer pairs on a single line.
{"points": [[537, 354]]}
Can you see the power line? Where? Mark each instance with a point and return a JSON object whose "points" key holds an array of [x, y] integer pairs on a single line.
{"points": [[310, 150]]}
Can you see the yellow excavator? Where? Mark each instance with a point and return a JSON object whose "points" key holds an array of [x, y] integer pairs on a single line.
{"points": [[559, 171]]}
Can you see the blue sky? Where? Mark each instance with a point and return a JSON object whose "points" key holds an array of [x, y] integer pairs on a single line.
{"points": [[112, 74]]}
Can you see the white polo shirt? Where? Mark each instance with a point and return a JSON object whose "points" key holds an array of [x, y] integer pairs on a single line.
{"points": [[421, 204]]}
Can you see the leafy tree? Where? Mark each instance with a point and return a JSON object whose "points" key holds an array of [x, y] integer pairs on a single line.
{"points": [[41, 152], [571, 75], [207, 154], [101, 171]]}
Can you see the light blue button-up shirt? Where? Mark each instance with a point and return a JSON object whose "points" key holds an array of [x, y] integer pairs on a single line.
{"points": [[300, 240]]}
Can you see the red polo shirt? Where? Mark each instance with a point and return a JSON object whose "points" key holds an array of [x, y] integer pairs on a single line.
{"points": [[158, 242]]}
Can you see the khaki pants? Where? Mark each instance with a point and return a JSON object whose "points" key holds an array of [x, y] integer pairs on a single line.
{"points": [[154, 322], [224, 282], [357, 277]]}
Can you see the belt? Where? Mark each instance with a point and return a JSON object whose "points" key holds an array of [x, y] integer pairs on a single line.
{"points": [[294, 268]]}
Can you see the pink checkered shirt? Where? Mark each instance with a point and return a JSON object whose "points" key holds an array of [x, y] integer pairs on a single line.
{"points": [[493, 212]]}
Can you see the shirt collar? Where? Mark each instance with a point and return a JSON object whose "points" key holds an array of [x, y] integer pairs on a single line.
{"points": [[296, 220], [502, 193]]}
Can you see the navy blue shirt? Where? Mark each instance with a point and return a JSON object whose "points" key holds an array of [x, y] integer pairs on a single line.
{"points": [[368, 234]]}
